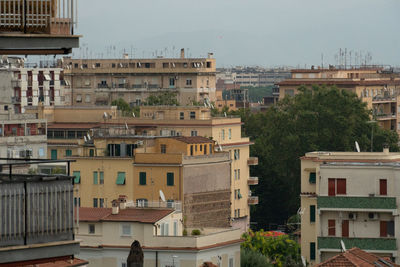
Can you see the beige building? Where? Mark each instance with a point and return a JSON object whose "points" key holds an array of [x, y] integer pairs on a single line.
{"points": [[350, 197], [100, 81], [107, 235], [66, 130], [375, 86]]}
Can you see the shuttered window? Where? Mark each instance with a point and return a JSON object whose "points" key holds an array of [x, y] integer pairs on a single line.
{"points": [[121, 178], [345, 228], [312, 251], [142, 178], [312, 213], [341, 186], [170, 178], [331, 187], [331, 227], [77, 179], [95, 178], [312, 178], [383, 229], [383, 187]]}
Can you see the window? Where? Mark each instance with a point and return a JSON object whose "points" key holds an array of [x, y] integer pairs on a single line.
{"points": [[78, 98], [126, 230], [195, 148], [236, 154], [192, 115], [182, 115], [68, 153], [223, 134], [235, 171], [163, 149], [312, 251], [92, 229], [142, 178], [201, 147], [390, 228], [170, 178], [171, 82], [121, 178], [87, 98], [77, 201], [193, 133], [312, 178], [188, 82], [95, 203], [54, 154], [95, 178], [336, 186], [41, 152], [312, 213], [175, 228], [238, 174], [101, 177], [231, 262], [191, 150], [383, 229], [383, 187], [289, 92], [205, 149], [101, 200], [331, 227], [77, 179], [345, 228], [230, 134], [142, 202]]}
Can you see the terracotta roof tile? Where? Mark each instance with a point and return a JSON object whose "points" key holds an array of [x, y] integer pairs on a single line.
{"points": [[125, 215]]}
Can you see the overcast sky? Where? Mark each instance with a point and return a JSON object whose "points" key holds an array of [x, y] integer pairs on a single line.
{"points": [[242, 32]]}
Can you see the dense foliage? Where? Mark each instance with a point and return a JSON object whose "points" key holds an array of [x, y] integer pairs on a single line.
{"points": [[125, 108], [163, 99], [257, 93], [250, 258], [279, 250], [317, 119]]}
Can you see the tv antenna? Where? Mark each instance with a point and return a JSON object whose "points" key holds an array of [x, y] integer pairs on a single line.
{"points": [[357, 147]]}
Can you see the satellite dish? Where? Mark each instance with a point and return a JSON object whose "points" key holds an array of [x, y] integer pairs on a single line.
{"points": [[357, 147], [303, 260], [133, 114], [343, 246], [84, 138], [225, 114], [220, 147], [126, 126], [105, 115], [205, 105], [88, 136], [162, 196]]}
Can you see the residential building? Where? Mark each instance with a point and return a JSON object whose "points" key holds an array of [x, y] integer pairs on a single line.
{"points": [[65, 127], [185, 169], [100, 81], [107, 235], [376, 86], [38, 27], [37, 218], [356, 257], [350, 197]]}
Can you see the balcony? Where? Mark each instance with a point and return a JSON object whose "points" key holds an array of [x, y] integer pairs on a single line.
{"points": [[252, 200], [37, 27], [383, 99], [376, 244], [386, 116], [252, 181], [16, 100], [357, 203], [252, 161]]}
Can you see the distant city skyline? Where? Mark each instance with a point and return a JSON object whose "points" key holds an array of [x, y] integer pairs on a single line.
{"points": [[256, 32]]}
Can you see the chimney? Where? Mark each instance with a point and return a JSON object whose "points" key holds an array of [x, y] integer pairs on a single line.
{"points": [[386, 149], [122, 202], [115, 208], [183, 53], [210, 55]]}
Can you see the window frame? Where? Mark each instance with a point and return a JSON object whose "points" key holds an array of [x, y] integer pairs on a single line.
{"points": [[170, 177], [142, 177]]}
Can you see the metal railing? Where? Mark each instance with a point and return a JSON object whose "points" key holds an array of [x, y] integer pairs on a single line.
{"points": [[56, 17]]}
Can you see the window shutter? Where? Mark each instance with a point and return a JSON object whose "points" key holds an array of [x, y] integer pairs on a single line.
{"points": [[383, 187], [312, 178], [312, 251], [341, 186], [170, 178], [312, 213]]}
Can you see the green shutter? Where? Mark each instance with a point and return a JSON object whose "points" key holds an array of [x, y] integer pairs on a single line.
{"points": [[77, 179], [101, 177], [170, 178], [68, 153], [54, 154], [95, 180], [312, 251], [121, 178], [142, 178], [91, 153], [312, 213], [312, 178]]}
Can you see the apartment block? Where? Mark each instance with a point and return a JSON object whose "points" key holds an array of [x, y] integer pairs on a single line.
{"points": [[253, 76], [67, 129], [377, 87], [100, 81], [107, 235], [350, 197]]}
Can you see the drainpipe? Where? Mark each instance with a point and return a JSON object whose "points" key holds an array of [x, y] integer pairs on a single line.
{"points": [[156, 258]]}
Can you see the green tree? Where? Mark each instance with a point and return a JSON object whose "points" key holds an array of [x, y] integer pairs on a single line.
{"points": [[317, 119], [166, 99], [250, 258], [125, 108], [280, 250]]}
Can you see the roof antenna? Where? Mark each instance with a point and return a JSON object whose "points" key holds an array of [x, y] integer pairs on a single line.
{"points": [[357, 147]]}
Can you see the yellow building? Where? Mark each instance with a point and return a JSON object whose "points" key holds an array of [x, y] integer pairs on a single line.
{"points": [[100, 81], [162, 121], [375, 86], [350, 197], [185, 169]]}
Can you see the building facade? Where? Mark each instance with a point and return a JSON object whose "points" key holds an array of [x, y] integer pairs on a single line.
{"points": [[350, 197], [100, 81]]}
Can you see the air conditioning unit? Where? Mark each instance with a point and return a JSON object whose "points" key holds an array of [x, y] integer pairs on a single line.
{"points": [[373, 216], [352, 216]]}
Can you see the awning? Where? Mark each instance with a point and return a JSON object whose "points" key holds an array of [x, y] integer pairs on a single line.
{"points": [[121, 178]]}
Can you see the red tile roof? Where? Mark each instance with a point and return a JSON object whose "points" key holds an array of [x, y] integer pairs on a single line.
{"points": [[142, 215], [356, 257], [193, 139]]}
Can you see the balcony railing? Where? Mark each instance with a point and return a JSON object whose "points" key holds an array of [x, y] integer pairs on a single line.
{"points": [[352, 203], [56, 17], [252, 161], [386, 116], [252, 181], [333, 243], [253, 200]]}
